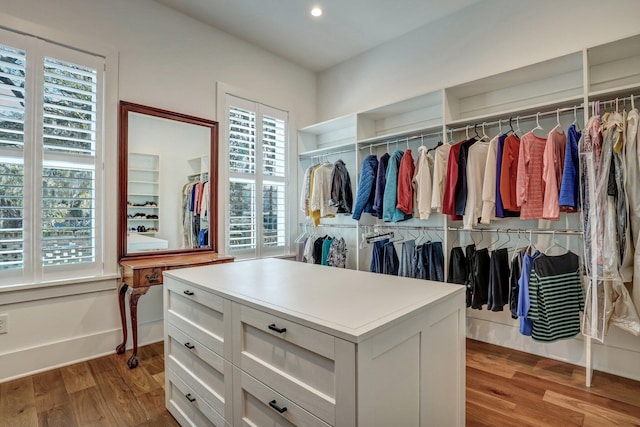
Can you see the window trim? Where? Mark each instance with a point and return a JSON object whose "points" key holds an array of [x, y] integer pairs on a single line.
{"points": [[30, 291], [224, 89]]}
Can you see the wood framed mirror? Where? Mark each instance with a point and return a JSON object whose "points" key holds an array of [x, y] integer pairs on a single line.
{"points": [[168, 181]]}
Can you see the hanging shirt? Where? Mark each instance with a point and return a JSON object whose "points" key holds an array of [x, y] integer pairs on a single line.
{"points": [[461, 183], [500, 213], [440, 162], [476, 164], [321, 193], [405, 188], [422, 183], [509, 173], [556, 297], [489, 183], [552, 167], [381, 183], [569, 187], [449, 197], [524, 302], [341, 194], [529, 184]]}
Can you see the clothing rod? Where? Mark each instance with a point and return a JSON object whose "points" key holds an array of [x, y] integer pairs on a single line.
{"points": [[523, 231], [399, 140], [610, 101], [525, 117], [329, 225], [328, 153], [406, 227]]}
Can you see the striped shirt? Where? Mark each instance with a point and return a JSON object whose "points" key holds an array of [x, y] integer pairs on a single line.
{"points": [[556, 297]]}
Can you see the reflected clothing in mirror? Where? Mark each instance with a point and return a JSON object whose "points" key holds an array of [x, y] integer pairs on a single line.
{"points": [[195, 215]]}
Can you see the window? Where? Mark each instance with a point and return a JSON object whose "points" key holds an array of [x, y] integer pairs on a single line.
{"points": [[257, 188], [50, 161]]}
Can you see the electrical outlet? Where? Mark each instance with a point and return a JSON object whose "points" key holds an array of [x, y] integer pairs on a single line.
{"points": [[4, 323]]}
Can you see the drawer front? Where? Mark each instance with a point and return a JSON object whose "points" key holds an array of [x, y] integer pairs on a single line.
{"points": [[206, 379], [148, 276], [294, 360], [192, 293], [189, 408], [203, 319], [259, 405]]}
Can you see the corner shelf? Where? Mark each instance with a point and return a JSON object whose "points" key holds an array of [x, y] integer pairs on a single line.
{"points": [[143, 186]]}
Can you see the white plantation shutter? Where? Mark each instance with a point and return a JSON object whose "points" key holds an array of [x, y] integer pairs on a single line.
{"points": [[12, 137], [50, 161], [257, 188]]}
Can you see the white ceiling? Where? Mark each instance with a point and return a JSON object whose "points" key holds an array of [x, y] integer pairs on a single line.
{"points": [[346, 29]]}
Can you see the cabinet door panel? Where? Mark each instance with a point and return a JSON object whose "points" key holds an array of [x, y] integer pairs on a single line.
{"points": [[294, 360], [196, 413], [204, 323], [259, 405]]}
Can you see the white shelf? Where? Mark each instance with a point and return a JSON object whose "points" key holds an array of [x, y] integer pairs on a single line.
{"points": [[614, 65], [326, 135], [544, 83], [328, 150]]}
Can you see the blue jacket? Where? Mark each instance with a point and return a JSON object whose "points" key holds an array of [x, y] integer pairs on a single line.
{"points": [[366, 187], [569, 186]]}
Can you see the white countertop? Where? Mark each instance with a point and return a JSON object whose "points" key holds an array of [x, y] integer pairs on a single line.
{"points": [[346, 303]]}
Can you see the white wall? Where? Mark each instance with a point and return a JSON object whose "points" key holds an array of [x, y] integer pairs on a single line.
{"points": [[166, 60], [488, 38]]}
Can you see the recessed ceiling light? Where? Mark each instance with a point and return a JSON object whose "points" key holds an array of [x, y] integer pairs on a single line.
{"points": [[316, 11]]}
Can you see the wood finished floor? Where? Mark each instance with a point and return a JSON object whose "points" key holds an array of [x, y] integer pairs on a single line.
{"points": [[504, 388]]}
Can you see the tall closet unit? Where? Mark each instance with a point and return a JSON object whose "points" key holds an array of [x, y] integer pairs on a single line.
{"points": [[557, 91]]}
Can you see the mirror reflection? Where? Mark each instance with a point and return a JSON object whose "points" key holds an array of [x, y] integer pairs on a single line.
{"points": [[167, 188]]}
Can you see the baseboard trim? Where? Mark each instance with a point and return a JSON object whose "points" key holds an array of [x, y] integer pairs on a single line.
{"points": [[570, 351], [30, 361]]}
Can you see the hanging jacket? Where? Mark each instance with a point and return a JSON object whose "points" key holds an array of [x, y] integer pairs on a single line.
{"points": [[366, 187], [390, 198], [405, 189], [569, 186], [381, 183], [341, 195]]}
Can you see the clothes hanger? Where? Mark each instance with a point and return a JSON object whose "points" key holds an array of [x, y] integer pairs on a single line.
{"points": [[518, 130], [558, 126], [538, 127], [555, 243], [515, 249], [575, 118]]}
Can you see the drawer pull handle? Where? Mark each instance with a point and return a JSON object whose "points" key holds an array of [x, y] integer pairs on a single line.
{"points": [[189, 293], [189, 345], [273, 327], [277, 408], [193, 399]]}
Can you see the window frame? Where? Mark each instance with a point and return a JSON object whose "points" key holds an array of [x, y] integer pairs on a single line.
{"points": [[31, 286], [260, 109]]}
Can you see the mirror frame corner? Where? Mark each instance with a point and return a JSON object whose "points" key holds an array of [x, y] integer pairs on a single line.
{"points": [[126, 107]]}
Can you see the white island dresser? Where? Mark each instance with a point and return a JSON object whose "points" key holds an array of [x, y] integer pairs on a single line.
{"points": [[279, 343]]}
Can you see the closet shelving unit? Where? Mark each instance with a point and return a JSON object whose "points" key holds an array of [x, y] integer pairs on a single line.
{"points": [[601, 72], [143, 191]]}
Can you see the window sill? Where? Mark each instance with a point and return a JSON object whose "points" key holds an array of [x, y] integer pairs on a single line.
{"points": [[61, 288]]}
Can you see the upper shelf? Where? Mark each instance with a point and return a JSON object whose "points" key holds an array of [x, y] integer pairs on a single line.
{"points": [[545, 83], [328, 134], [614, 67], [406, 117]]}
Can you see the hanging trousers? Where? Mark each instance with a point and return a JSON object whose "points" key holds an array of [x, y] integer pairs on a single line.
{"points": [[390, 263], [408, 259], [376, 256]]}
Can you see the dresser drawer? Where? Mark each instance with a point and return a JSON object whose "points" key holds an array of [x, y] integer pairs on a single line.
{"points": [[259, 405], [294, 360], [202, 315], [188, 407], [148, 276], [210, 378]]}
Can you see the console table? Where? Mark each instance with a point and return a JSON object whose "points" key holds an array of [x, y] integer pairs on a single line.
{"points": [[139, 274]]}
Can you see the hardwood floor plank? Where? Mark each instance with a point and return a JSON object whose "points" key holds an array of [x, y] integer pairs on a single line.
{"points": [[480, 416], [121, 401], [605, 415], [58, 416], [90, 408], [77, 377], [153, 402], [49, 390], [18, 404], [492, 364], [582, 393], [162, 420]]}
